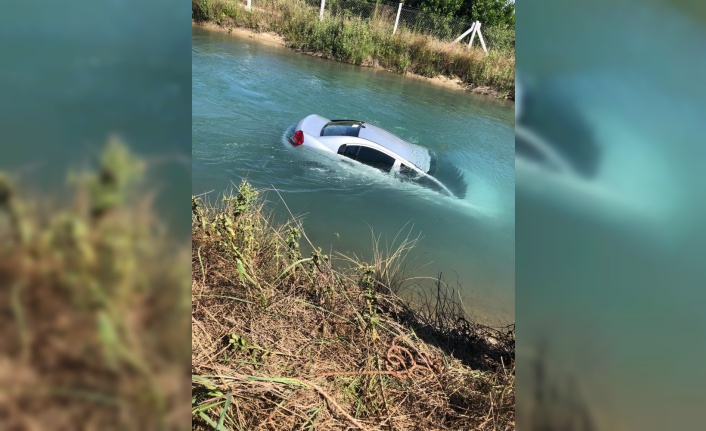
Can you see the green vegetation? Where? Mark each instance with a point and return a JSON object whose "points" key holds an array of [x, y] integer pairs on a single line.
{"points": [[370, 42], [287, 341], [492, 13], [93, 306]]}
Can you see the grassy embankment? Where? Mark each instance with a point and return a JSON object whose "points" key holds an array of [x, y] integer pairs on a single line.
{"points": [[94, 302], [284, 341], [369, 42]]}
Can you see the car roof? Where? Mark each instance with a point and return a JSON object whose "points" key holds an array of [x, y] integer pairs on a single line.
{"points": [[415, 154]]}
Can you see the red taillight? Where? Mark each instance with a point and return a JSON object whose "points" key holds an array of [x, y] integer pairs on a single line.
{"points": [[298, 138]]}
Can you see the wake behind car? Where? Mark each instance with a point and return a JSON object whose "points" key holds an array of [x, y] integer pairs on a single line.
{"points": [[370, 145]]}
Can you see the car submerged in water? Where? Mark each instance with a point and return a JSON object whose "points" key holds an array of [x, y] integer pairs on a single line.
{"points": [[370, 145]]}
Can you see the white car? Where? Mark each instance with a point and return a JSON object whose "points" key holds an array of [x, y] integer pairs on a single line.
{"points": [[373, 146]]}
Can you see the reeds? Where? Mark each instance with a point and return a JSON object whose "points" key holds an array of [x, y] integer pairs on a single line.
{"points": [[285, 341]]}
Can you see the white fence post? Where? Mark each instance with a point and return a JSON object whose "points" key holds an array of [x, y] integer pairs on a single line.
{"points": [[249, 6], [476, 29], [473, 35], [465, 33], [397, 21], [480, 37], [321, 12]]}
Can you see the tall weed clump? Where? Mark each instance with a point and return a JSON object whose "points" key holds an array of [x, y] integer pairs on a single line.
{"points": [[499, 38], [392, 52]]}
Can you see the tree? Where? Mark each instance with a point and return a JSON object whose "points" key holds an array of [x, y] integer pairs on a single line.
{"points": [[490, 13], [496, 16], [445, 8]]}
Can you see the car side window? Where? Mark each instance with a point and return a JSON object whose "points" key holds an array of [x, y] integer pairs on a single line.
{"points": [[368, 156], [407, 172], [350, 151], [375, 158]]}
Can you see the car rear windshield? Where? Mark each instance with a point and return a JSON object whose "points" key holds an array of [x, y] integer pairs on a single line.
{"points": [[342, 128]]}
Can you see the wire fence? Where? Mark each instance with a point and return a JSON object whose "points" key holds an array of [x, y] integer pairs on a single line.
{"points": [[441, 27], [445, 28], [410, 19], [362, 9]]}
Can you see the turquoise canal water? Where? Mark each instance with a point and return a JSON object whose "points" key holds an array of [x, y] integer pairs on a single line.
{"points": [[77, 73], [247, 94]]}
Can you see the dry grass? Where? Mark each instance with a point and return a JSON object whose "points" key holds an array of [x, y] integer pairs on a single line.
{"points": [[283, 341], [93, 306]]}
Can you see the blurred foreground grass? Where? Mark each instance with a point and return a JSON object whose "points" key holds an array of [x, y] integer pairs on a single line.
{"points": [[94, 304]]}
